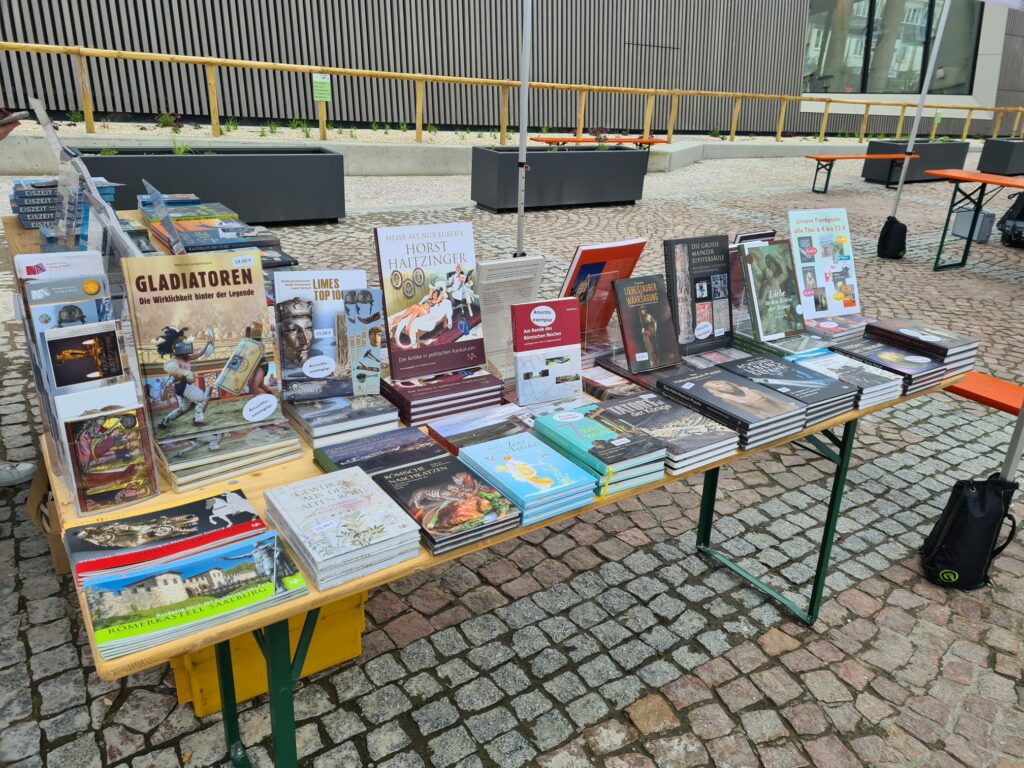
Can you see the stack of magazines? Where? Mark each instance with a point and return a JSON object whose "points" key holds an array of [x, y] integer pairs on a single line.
{"points": [[874, 385], [918, 371], [157, 577], [333, 420], [954, 350], [342, 526]]}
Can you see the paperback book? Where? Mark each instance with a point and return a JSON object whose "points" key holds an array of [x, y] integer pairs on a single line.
{"points": [[187, 211], [67, 302], [84, 357], [591, 273], [364, 338], [645, 317], [824, 258], [772, 291], [697, 272]]}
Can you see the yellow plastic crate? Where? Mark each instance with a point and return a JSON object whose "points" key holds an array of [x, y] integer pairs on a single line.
{"points": [[338, 638]]}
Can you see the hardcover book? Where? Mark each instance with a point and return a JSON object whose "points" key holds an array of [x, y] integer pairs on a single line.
{"points": [[591, 273], [84, 357], [442, 386], [825, 272], [645, 317], [548, 374], [861, 375], [379, 453], [905, 362], [478, 426], [545, 324], [338, 414], [920, 335], [215, 235], [363, 328], [741, 403], [188, 212], [683, 431], [697, 271], [791, 379], [182, 453], [199, 321], [836, 326], [433, 313], [310, 308], [772, 290]]}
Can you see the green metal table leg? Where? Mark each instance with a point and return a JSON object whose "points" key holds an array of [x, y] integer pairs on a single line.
{"points": [[281, 685], [229, 706], [822, 166], [707, 507], [977, 198]]}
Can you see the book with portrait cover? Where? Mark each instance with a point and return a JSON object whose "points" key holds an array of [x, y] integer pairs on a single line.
{"points": [[204, 341], [796, 381], [772, 290], [825, 273], [645, 317], [591, 273], [699, 290], [737, 402], [363, 330], [433, 312]]}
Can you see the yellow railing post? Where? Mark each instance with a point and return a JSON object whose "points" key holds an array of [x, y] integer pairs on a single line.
{"points": [[824, 121], [782, 119], [1016, 123], [864, 123], [85, 93], [998, 125], [211, 95], [503, 116], [673, 113], [581, 111], [648, 116], [737, 104], [899, 123], [419, 111], [935, 124], [967, 124], [321, 110]]}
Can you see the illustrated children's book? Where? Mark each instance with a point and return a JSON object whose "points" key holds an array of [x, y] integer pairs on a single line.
{"points": [[824, 259], [591, 273], [697, 272], [772, 291], [433, 313], [648, 333]]}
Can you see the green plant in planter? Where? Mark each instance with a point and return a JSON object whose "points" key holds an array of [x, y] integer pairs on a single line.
{"points": [[108, 152], [352, 133], [943, 140], [544, 129], [180, 149], [479, 134], [271, 127], [168, 120], [76, 115], [715, 134], [374, 127], [305, 129], [403, 127], [432, 129], [263, 132], [231, 124], [387, 129], [602, 147], [295, 124]]}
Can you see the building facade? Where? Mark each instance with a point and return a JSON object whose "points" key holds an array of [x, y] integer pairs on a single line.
{"points": [[838, 48]]}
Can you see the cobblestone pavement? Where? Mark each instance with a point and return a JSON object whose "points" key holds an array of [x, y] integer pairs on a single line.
{"points": [[606, 641]]}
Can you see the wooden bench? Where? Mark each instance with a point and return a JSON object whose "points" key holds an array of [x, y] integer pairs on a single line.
{"points": [[557, 141], [1005, 396], [826, 162]]}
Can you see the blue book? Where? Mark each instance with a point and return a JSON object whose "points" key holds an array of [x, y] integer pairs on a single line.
{"points": [[526, 469]]}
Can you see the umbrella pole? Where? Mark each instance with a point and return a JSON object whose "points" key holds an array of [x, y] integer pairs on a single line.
{"points": [[929, 71], [524, 108]]}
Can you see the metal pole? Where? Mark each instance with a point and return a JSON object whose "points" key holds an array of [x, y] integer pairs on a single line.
{"points": [[929, 71], [524, 111]]}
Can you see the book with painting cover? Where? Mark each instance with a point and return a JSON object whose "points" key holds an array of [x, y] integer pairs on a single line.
{"points": [[697, 273], [591, 273], [648, 333], [478, 426], [772, 290], [385, 451], [838, 326], [825, 274], [738, 402], [433, 313], [791, 379]]}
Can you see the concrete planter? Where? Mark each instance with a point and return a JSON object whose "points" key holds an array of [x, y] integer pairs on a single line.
{"points": [[263, 185], [558, 178], [1002, 156], [934, 156]]}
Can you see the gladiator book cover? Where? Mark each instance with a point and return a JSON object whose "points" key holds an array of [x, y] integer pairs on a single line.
{"points": [[648, 333], [433, 312], [699, 290], [204, 340], [772, 290]]}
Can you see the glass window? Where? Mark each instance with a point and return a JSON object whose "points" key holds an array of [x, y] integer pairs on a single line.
{"points": [[880, 46]]}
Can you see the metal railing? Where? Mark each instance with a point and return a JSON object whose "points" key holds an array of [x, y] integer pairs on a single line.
{"points": [[211, 64]]}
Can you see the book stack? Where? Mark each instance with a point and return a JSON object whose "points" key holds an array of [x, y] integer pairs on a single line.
{"points": [[153, 578], [195, 460], [604, 384], [214, 235], [918, 371], [186, 211], [838, 328], [618, 455], [478, 426], [648, 380], [539, 480], [374, 454], [137, 232], [341, 526], [444, 394], [335, 420], [702, 360], [760, 415], [744, 340], [453, 506], [823, 396], [38, 203], [874, 385], [956, 351]]}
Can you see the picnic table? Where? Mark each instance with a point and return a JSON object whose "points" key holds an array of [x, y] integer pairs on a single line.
{"points": [[827, 162], [558, 141], [976, 196]]}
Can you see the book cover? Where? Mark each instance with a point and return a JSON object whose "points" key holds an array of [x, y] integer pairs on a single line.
{"points": [[433, 313], [166, 533], [591, 273], [645, 317], [838, 325], [171, 199], [309, 307], [65, 302], [381, 452], [446, 498], [921, 335], [545, 324], [441, 386], [111, 459], [772, 291], [500, 284], [525, 468], [479, 426], [825, 274], [199, 319], [188, 211], [599, 443], [216, 235], [335, 414], [796, 381], [84, 357], [193, 450], [697, 274], [742, 402], [335, 515], [902, 361], [680, 429], [848, 369], [363, 328], [548, 374]]}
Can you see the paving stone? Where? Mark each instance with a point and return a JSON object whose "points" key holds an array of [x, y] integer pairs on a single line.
{"points": [[678, 751], [384, 704], [732, 752], [385, 740], [829, 750], [476, 695], [652, 714], [18, 741], [80, 753], [346, 755], [350, 683], [531, 704], [609, 736], [341, 725], [763, 725], [450, 747], [510, 678], [511, 750], [550, 729]]}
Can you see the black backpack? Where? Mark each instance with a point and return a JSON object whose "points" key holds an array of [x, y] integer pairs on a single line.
{"points": [[1011, 224], [892, 242], [962, 545]]}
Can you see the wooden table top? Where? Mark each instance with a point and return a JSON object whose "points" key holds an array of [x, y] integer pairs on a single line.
{"points": [[594, 140], [959, 175], [889, 156]]}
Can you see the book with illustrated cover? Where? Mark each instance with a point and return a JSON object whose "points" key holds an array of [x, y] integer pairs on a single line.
{"points": [[697, 273], [84, 357], [433, 313], [738, 402], [310, 308], [393, 449], [852, 371], [591, 273], [645, 316], [545, 324], [188, 211], [791, 379], [182, 453], [825, 273], [363, 330], [906, 362], [548, 374], [602, 444], [31, 267], [772, 290], [169, 199], [204, 341], [923, 336], [162, 535], [215, 235], [338, 414]]}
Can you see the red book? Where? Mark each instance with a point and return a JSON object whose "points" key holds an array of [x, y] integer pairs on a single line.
{"points": [[545, 324], [591, 273]]}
